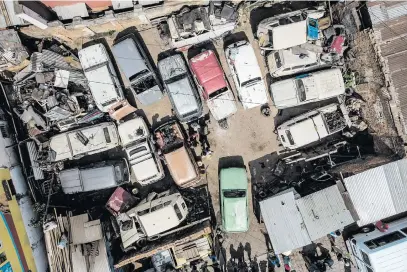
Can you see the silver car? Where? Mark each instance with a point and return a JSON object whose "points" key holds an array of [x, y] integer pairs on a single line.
{"points": [[181, 89]]}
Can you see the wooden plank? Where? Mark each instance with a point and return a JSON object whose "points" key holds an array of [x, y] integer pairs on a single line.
{"points": [[205, 231]]}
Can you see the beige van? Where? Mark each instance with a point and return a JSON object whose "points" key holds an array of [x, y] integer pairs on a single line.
{"points": [[180, 161]]}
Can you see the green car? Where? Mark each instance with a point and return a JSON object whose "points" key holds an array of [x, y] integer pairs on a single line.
{"points": [[234, 201]]}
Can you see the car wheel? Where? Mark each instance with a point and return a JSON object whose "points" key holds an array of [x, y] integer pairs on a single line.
{"points": [[367, 229]]}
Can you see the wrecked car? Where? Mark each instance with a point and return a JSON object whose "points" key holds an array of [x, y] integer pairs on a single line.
{"points": [[136, 66], [178, 157], [102, 78], [313, 126], [140, 151], [307, 88], [234, 199], [246, 74], [95, 177], [211, 80], [181, 89], [272, 32], [151, 218], [192, 26], [84, 141], [292, 61]]}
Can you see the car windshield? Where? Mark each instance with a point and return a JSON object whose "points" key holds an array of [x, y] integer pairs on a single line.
{"points": [[234, 193], [175, 78], [290, 137], [144, 84], [301, 90], [278, 59], [251, 81], [218, 92]]}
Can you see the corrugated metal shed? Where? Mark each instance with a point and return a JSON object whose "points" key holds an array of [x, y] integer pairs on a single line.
{"points": [[323, 212], [293, 223], [379, 192], [389, 21], [283, 221], [84, 231]]}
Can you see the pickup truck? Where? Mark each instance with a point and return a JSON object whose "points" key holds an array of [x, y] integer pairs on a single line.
{"points": [[171, 143], [140, 151], [153, 216], [313, 126], [307, 88]]}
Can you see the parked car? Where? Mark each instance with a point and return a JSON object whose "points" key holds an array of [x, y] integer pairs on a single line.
{"points": [[83, 141], [95, 177], [140, 151], [234, 199], [151, 218], [246, 74], [378, 250], [313, 126], [102, 78], [307, 88], [181, 89], [135, 64], [180, 161], [292, 61], [211, 80], [286, 30]]}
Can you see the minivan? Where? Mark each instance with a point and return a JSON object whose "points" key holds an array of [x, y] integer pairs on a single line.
{"points": [[138, 69], [83, 141], [181, 89], [95, 177], [102, 78]]}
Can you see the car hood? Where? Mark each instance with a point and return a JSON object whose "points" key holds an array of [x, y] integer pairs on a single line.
{"points": [[146, 171], [150, 96], [253, 95], [235, 217], [223, 105], [284, 94]]}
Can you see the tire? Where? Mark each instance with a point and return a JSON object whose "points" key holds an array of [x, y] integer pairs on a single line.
{"points": [[367, 229]]}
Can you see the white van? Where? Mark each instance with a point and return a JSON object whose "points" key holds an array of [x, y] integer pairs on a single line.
{"points": [[377, 251], [151, 218], [95, 177], [246, 74], [101, 75], [84, 141], [292, 61], [307, 88]]}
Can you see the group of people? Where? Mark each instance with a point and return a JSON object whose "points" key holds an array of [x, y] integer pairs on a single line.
{"points": [[198, 133]]}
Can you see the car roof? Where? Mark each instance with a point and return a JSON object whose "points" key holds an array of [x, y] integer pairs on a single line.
{"points": [[297, 34], [92, 55], [208, 71], [129, 57], [181, 166], [291, 59]]}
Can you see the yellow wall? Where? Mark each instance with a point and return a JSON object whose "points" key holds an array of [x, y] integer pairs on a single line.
{"points": [[21, 232]]}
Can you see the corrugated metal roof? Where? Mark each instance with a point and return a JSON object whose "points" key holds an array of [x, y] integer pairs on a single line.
{"points": [[323, 212], [293, 223], [379, 192], [33, 154], [84, 231], [71, 11], [383, 13], [284, 224]]}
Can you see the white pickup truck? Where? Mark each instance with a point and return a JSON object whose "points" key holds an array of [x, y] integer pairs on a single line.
{"points": [[144, 164], [151, 218], [313, 126], [307, 88]]}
